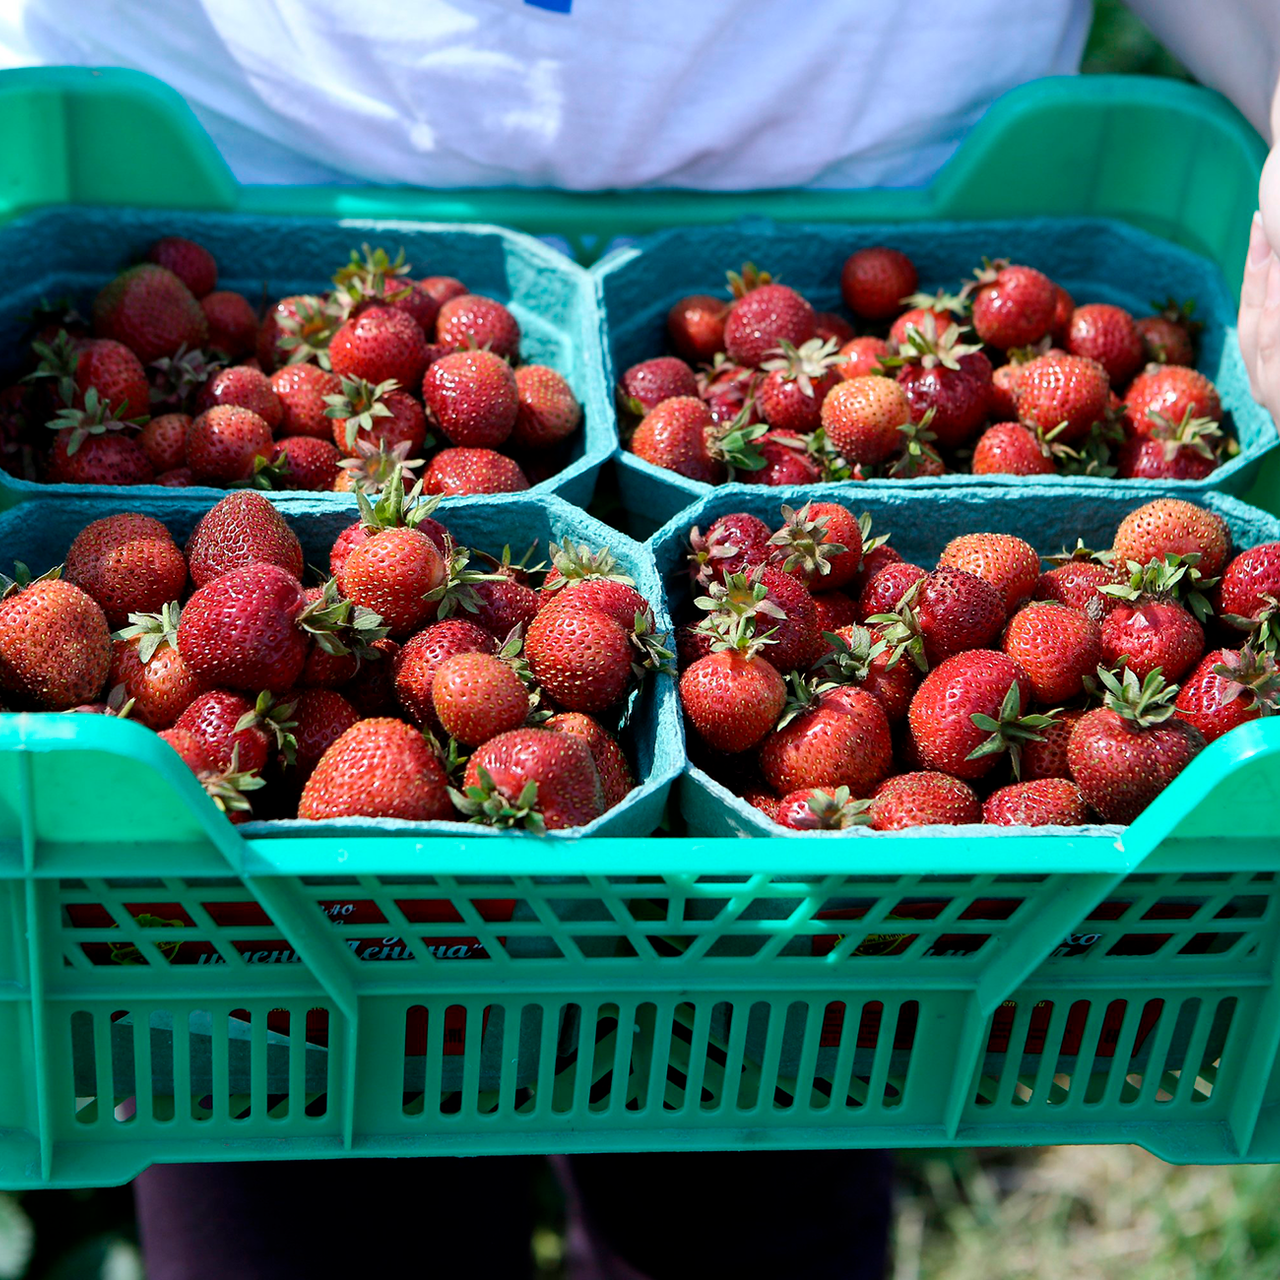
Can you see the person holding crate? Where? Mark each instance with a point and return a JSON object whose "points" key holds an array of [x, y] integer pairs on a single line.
{"points": [[592, 95]]}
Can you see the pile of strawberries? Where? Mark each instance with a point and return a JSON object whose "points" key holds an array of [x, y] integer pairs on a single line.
{"points": [[831, 684], [1006, 376], [176, 382], [420, 681]]}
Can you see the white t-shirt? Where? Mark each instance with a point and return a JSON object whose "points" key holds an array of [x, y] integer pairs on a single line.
{"points": [[579, 94]]}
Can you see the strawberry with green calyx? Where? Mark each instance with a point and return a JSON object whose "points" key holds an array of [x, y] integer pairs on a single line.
{"points": [[298, 329], [76, 365], [1148, 629], [862, 656], [572, 563], [768, 593], [371, 470], [379, 413], [675, 435], [1228, 688], [862, 357], [733, 696], [1174, 392], [1012, 306], [1249, 592], [731, 544], [275, 719], [213, 717], [741, 283], [1186, 450], [1124, 753], [1167, 577], [1077, 579], [95, 419], [918, 456], [300, 462], [874, 282], [814, 809], [762, 318], [458, 591], [1169, 336], [796, 383], [821, 544], [940, 614], [394, 509], [477, 696], [371, 276], [227, 789], [729, 389], [355, 636], [786, 460], [177, 380], [1009, 448], [1040, 802], [146, 665]]}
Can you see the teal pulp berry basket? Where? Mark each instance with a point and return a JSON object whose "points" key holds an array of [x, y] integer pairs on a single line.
{"points": [[1095, 260], [70, 252]]}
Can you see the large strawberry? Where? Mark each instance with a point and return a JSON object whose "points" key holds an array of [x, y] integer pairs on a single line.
{"points": [[534, 778], [463, 471], [885, 588], [379, 768], [151, 311], [815, 809], [146, 661], [762, 319], [1041, 802], [109, 367], [863, 418], [796, 383], [821, 544], [1248, 595], [1172, 526], [1062, 395], [733, 695], [241, 530], [55, 647], [943, 613], [228, 728], [99, 459], [380, 414], [416, 662], [128, 563], [477, 696], [969, 710], [379, 344], [1010, 449], [192, 263], [1173, 392], [861, 656], [1171, 451], [224, 444], [548, 410], [1108, 335], [1077, 580], [1009, 564], [677, 435], [695, 327], [472, 397], [1147, 628], [839, 738], [303, 391], [779, 605], [1056, 646], [611, 762], [923, 798], [399, 574], [952, 378], [1124, 753], [1013, 306], [1228, 688], [247, 387], [470, 320], [875, 282]]}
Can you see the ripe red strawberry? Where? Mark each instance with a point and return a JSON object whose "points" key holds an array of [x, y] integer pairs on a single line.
{"points": [[1003, 401], [1228, 688], [884, 590], [1013, 306], [1011, 565], [535, 778], [128, 563], [1044, 802], [1062, 394], [939, 372], [192, 263], [785, 609], [796, 383], [1078, 584], [471, 320], [1182, 451], [302, 391], [646, 385], [116, 373], [104, 459], [1056, 646], [787, 460], [945, 612], [840, 739], [676, 436], [307, 463], [147, 663], [1149, 634], [242, 630], [732, 543], [548, 411], [190, 748], [762, 318], [969, 710], [1008, 448], [151, 311], [415, 665], [876, 554], [233, 324], [729, 391], [319, 718], [379, 768], [763, 799], [695, 327], [616, 781], [864, 659], [461, 471], [377, 415], [477, 696], [441, 288], [828, 326], [580, 656], [1250, 586], [297, 328], [1165, 341], [815, 809], [1063, 309], [1174, 392], [1123, 754], [863, 418], [917, 318], [212, 718], [242, 530], [244, 386], [862, 357], [176, 478], [1170, 526], [921, 799], [392, 572], [55, 647], [472, 397], [164, 441], [806, 545], [1108, 335], [378, 345], [875, 282], [1047, 758], [224, 443], [732, 697]]}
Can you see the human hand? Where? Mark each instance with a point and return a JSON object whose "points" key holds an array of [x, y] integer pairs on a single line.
{"points": [[1260, 293]]}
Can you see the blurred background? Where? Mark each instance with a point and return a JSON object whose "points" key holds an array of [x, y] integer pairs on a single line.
{"points": [[1104, 1213]]}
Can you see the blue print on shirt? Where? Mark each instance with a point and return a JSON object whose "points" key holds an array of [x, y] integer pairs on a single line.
{"points": [[554, 6]]}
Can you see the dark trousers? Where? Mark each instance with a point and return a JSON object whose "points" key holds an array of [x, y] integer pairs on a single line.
{"points": [[820, 1215]]}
